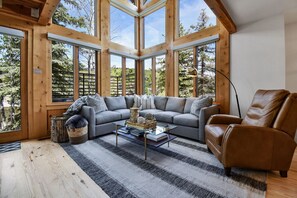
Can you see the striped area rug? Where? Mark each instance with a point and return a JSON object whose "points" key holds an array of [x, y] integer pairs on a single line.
{"points": [[10, 146], [184, 169]]}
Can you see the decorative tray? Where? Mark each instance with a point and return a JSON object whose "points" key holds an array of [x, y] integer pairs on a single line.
{"points": [[147, 125]]}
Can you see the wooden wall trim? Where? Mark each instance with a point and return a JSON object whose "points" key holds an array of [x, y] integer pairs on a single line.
{"points": [[222, 14]]}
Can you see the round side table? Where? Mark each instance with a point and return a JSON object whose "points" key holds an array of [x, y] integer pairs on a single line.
{"points": [[58, 130]]}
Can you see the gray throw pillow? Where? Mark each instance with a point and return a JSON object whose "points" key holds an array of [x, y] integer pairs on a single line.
{"points": [[200, 103], [137, 101], [97, 103]]}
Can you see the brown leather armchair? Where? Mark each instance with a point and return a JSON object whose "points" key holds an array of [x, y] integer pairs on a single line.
{"points": [[264, 139]]}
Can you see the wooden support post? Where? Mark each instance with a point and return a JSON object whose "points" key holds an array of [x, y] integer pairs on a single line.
{"points": [[223, 65], [171, 75], [105, 57]]}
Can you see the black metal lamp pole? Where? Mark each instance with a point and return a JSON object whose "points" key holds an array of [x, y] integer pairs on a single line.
{"points": [[214, 70]]}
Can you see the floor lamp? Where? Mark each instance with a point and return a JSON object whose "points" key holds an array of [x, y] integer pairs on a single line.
{"points": [[193, 72]]}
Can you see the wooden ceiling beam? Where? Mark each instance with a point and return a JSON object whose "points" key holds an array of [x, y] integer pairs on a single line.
{"points": [[222, 14], [47, 11]]}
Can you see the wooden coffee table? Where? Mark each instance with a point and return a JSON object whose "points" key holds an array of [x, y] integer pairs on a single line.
{"points": [[143, 139]]}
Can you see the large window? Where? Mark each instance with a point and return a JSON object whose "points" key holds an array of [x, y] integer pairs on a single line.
{"points": [[10, 83], [122, 75], [160, 75], [62, 72], [87, 71], [203, 59], [148, 79], [154, 28], [122, 28], [130, 76], [116, 75], [154, 75], [194, 15], [78, 15], [185, 82]]}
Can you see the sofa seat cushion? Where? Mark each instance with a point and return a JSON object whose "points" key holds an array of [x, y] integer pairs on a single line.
{"points": [[166, 116], [152, 111], [186, 119], [107, 116], [215, 132], [125, 113]]}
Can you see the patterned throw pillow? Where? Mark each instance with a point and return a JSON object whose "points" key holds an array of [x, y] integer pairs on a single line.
{"points": [[137, 101], [144, 102], [97, 103], [147, 102], [200, 103]]}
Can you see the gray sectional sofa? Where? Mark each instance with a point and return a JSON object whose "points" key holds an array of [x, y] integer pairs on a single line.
{"points": [[171, 110]]}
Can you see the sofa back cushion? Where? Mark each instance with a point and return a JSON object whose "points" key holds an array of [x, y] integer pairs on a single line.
{"points": [[265, 107], [114, 103], [129, 101], [160, 102], [175, 104], [189, 102]]}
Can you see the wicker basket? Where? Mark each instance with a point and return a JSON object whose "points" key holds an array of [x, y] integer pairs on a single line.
{"points": [[147, 125], [78, 135]]}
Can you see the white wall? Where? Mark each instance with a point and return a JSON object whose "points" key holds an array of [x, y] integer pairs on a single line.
{"points": [[257, 59], [291, 56]]}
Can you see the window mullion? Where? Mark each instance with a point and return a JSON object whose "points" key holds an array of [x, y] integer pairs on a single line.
{"points": [[154, 75], [123, 76], [76, 72]]}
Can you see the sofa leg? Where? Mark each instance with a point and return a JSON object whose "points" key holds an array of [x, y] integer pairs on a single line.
{"points": [[283, 173], [227, 171]]}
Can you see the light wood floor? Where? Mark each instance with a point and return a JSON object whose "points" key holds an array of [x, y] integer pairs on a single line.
{"points": [[43, 169]]}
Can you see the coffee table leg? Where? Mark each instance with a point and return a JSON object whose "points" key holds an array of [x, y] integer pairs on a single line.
{"points": [[168, 138], [145, 146], [116, 135]]}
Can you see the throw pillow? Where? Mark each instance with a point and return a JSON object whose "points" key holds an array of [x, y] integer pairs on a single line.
{"points": [[200, 103], [97, 103], [147, 102], [76, 106], [137, 101]]}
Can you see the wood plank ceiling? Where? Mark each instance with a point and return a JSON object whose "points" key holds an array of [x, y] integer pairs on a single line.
{"points": [[35, 11]]}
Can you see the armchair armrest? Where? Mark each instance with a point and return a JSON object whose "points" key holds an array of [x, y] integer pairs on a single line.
{"points": [[224, 119], [204, 115], [89, 113], [257, 147]]}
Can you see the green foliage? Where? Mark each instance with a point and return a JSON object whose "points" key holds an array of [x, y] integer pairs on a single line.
{"points": [[10, 92], [205, 59]]}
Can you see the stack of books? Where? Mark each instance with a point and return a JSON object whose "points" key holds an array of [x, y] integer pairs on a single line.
{"points": [[156, 137], [136, 132]]}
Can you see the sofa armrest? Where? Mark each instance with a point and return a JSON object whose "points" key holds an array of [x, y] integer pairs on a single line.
{"points": [[224, 119], [257, 147], [204, 115], [89, 113]]}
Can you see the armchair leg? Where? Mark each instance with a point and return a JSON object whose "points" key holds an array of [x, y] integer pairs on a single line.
{"points": [[209, 150], [227, 171], [283, 173]]}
